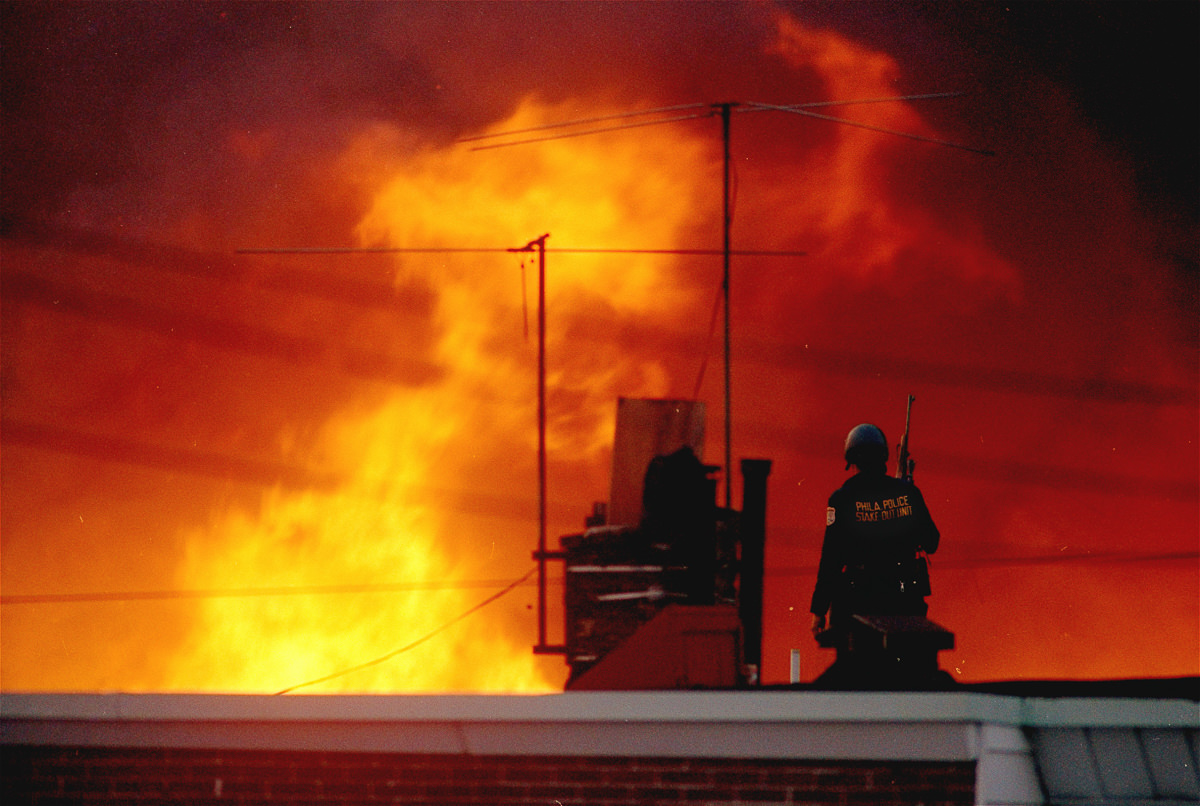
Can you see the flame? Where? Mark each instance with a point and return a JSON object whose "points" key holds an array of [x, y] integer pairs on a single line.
{"points": [[402, 459], [1019, 299], [380, 525]]}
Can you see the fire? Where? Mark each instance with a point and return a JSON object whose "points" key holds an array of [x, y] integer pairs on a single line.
{"points": [[154, 382], [380, 525], [406, 458]]}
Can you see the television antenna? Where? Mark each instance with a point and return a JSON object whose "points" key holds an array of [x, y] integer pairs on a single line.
{"points": [[653, 117], [673, 114]]}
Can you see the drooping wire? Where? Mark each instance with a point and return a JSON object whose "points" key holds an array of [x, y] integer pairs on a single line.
{"points": [[712, 328], [796, 110], [1095, 558], [558, 250], [752, 106], [382, 658], [7, 600], [524, 300], [565, 135], [580, 122]]}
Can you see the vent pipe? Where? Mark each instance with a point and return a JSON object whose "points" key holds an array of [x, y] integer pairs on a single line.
{"points": [[754, 538]]}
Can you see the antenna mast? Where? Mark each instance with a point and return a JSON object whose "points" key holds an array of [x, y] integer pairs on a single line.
{"points": [[541, 555], [726, 220]]}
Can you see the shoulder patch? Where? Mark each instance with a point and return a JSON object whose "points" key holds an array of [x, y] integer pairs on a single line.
{"points": [[830, 516]]}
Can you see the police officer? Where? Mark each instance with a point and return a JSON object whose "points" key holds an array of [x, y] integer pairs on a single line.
{"points": [[876, 528]]}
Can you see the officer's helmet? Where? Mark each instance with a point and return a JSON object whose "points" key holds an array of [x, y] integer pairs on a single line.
{"points": [[866, 445]]}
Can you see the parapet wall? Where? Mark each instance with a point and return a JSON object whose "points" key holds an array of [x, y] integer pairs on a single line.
{"points": [[599, 748]]}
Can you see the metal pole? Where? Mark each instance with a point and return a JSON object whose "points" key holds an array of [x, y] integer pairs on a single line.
{"points": [[725, 218], [541, 555], [541, 247]]}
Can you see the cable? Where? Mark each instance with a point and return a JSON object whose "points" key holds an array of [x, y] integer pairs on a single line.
{"points": [[400, 587], [590, 131], [219, 332], [234, 593], [118, 450], [662, 110], [712, 328], [580, 122], [921, 138], [414, 644], [1098, 558], [759, 107], [138, 453], [568, 250]]}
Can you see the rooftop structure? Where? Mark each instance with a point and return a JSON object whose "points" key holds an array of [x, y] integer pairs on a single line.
{"points": [[780, 746]]}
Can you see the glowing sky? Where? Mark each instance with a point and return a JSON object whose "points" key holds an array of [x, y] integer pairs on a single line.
{"points": [[227, 471]]}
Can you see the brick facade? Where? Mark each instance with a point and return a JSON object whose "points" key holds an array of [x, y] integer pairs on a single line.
{"points": [[61, 775]]}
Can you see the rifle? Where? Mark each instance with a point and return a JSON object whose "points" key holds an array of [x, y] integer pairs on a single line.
{"points": [[904, 470], [904, 463]]}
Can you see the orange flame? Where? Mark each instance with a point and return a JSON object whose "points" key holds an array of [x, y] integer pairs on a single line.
{"points": [[403, 458]]}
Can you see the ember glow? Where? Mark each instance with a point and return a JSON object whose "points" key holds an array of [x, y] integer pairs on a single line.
{"points": [[247, 472]]}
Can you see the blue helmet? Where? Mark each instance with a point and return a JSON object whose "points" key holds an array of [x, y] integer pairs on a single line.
{"points": [[865, 445]]}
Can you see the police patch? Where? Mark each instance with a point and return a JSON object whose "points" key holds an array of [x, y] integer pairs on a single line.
{"points": [[830, 515]]}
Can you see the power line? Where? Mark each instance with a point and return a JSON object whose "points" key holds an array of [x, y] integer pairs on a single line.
{"points": [[220, 332], [662, 110], [712, 328], [568, 250], [234, 335], [1090, 558], [236, 593], [140, 454], [219, 267], [121, 450], [712, 110], [1097, 558], [753, 106], [799, 110], [600, 130], [416, 643]]}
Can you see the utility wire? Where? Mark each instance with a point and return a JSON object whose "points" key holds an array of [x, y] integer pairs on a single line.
{"points": [[600, 130], [1099, 558], [753, 106], [141, 454], [218, 331], [662, 110], [568, 250], [235, 335], [967, 563], [414, 644], [368, 250], [712, 328], [712, 111], [235, 593], [920, 138]]}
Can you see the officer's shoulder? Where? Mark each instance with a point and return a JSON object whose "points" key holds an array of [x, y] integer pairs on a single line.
{"points": [[906, 486], [839, 494]]}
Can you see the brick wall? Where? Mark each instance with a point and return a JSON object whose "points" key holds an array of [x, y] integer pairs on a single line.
{"points": [[54, 775]]}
